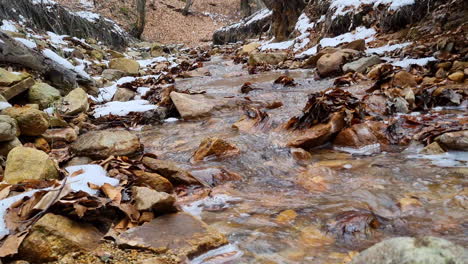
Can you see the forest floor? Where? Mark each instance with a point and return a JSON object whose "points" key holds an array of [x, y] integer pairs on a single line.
{"points": [[165, 22]]}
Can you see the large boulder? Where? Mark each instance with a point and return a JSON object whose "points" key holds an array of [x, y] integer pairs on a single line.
{"points": [[454, 140], [192, 106], [8, 78], [330, 64], [180, 233], [43, 94], [102, 144], [360, 135], [125, 65], [112, 74], [408, 250], [267, 58], [31, 122], [29, 164], [75, 102], [54, 236], [8, 128], [249, 48]]}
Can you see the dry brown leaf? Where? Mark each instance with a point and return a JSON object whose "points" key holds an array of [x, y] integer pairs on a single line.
{"points": [[114, 193], [11, 244]]}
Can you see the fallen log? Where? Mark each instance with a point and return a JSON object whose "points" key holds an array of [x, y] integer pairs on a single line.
{"points": [[62, 78]]}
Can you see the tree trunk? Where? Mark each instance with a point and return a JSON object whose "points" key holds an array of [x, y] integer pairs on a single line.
{"points": [[141, 19], [245, 8], [186, 10], [285, 15]]}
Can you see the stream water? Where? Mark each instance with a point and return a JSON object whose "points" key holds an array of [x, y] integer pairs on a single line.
{"points": [[291, 210]]}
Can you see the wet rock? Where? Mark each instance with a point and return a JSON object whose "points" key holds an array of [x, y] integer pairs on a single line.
{"points": [[54, 236], [7, 146], [149, 199], [170, 171], [102, 144], [312, 60], [60, 135], [29, 164], [8, 128], [192, 106], [75, 102], [404, 79], [112, 74], [458, 76], [432, 149], [359, 45], [123, 95], [330, 64], [181, 233], [318, 134], [408, 204], [214, 147], [362, 64], [459, 66], [43, 94], [215, 176], [153, 181], [300, 154], [360, 135], [249, 48], [454, 140], [427, 250], [125, 65], [267, 58], [31, 122]]}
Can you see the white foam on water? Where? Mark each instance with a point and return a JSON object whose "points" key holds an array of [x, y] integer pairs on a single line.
{"points": [[220, 255], [221, 200], [448, 159], [365, 150]]}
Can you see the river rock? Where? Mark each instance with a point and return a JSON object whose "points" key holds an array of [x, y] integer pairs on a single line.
{"points": [[123, 95], [43, 94], [153, 181], [112, 74], [454, 140], [360, 135], [359, 44], [459, 66], [249, 48], [192, 106], [421, 250], [8, 128], [180, 233], [29, 164], [157, 50], [432, 149], [149, 199], [54, 236], [102, 144], [31, 122], [267, 58], [60, 135], [125, 65], [458, 76], [170, 170], [7, 146], [214, 147], [362, 64], [318, 134], [330, 64], [75, 102], [8, 78], [404, 79]]}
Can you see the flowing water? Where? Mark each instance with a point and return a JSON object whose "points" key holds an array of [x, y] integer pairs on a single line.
{"points": [[286, 208]]}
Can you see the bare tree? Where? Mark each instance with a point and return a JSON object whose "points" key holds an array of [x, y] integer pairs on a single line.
{"points": [[285, 15], [137, 31], [188, 4], [245, 8]]}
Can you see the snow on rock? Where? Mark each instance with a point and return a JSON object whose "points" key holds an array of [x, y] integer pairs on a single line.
{"points": [[123, 108], [343, 7], [260, 15], [277, 46], [146, 63], [405, 63], [225, 253], [93, 174], [360, 33], [4, 105], [302, 26], [387, 48], [90, 16], [57, 39], [28, 43], [65, 63], [8, 26], [43, 2]]}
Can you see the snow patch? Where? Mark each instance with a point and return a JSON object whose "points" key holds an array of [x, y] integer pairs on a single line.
{"points": [[8, 26], [28, 43], [387, 48], [65, 63], [123, 108], [91, 174], [405, 63], [4, 105]]}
